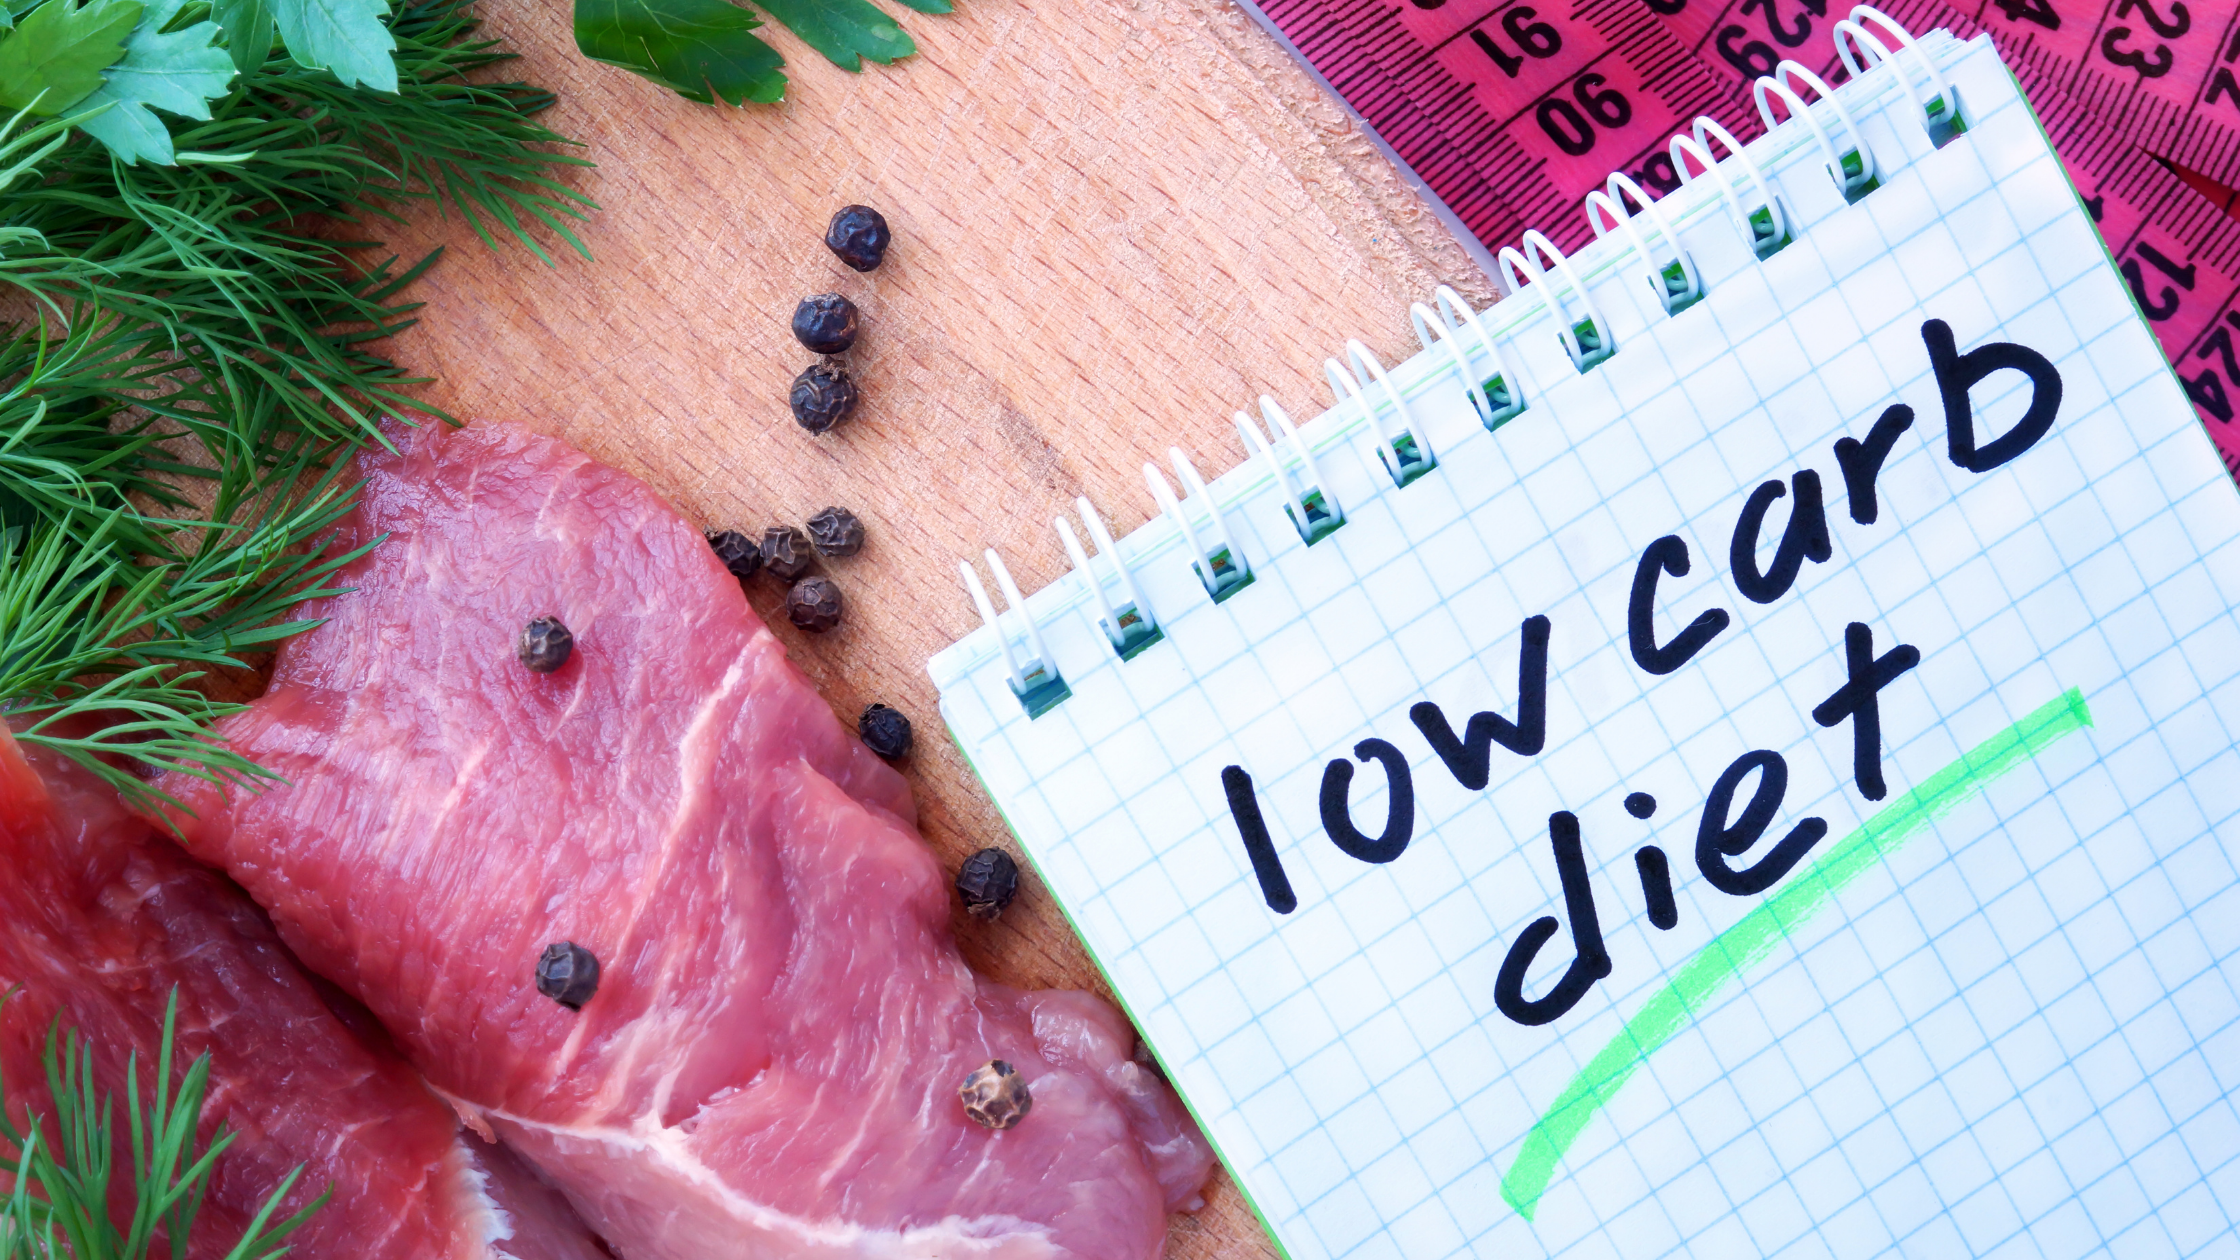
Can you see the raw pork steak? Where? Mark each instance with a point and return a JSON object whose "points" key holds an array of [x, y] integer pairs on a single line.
{"points": [[770, 1064], [100, 917]]}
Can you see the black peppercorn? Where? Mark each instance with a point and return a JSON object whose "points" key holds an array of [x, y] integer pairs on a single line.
{"points": [[995, 1095], [568, 974], [785, 552], [836, 532], [814, 604], [826, 323], [987, 881], [822, 396], [737, 551], [1143, 1058], [545, 645], [885, 731], [859, 236]]}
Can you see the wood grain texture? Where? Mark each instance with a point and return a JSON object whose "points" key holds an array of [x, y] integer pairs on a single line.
{"points": [[1116, 221]]}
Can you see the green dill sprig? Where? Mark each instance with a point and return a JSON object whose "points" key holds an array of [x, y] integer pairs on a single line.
{"points": [[96, 633], [177, 410], [60, 1204]]}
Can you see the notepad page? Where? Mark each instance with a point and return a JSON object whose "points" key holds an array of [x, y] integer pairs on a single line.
{"points": [[1991, 1011]]}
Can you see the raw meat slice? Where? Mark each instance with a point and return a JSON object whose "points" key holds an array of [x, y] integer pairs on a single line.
{"points": [[100, 917], [770, 1064]]}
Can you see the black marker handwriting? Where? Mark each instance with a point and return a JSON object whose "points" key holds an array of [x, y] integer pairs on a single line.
{"points": [[1731, 850]]}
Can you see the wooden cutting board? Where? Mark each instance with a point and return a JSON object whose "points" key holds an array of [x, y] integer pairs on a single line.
{"points": [[1115, 221]]}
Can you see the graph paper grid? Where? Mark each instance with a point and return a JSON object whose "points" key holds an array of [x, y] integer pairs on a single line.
{"points": [[2016, 1033]]}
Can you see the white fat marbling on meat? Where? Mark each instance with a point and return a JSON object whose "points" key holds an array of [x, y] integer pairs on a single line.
{"points": [[744, 1227]]}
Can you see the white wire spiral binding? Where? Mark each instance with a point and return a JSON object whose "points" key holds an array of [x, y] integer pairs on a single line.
{"points": [[1587, 341], [1764, 244], [1313, 510], [1222, 572], [1106, 547], [1852, 184], [1676, 284], [1407, 455], [1493, 411], [1037, 683], [1940, 111], [1080, 558], [1131, 628]]}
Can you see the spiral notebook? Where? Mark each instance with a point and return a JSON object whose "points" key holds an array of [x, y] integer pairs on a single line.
{"points": [[1724, 752]]}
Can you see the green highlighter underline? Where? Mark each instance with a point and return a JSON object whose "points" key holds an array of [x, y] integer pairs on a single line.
{"points": [[1748, 943]]}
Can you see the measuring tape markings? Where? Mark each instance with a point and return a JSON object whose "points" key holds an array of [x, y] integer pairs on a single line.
{"points": [[1543, 97], [1564, 95], [1492, 130], [2162, 74], [2178, 252], [2180, 256], [1331, 42], [1363, 40], [2227, 199]]}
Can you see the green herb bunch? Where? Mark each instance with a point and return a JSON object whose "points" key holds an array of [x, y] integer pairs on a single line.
{"points": [[188, 366], [108, 61], [59, 1205]]}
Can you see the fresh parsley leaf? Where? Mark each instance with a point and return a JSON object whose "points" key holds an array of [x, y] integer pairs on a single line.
{"points": [[346, 37], [180, 72], [931, 6], [843, 30], [54, 57], [249, 31], [699, 49]]}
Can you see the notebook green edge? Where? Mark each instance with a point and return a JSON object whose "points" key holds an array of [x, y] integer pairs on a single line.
{"points": [[1765, 794]]}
